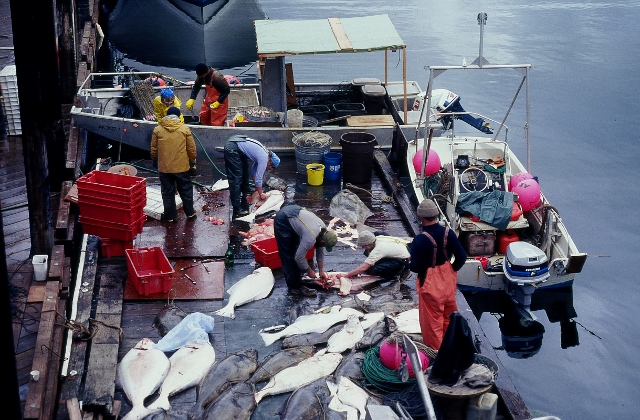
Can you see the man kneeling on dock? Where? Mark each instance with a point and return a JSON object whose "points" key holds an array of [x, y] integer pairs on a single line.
{"points": [[387, 257]]}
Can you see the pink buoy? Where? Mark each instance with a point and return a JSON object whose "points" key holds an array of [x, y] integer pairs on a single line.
{"points": [[391, 357], [528, 192], [521, 176], [433, 163]]}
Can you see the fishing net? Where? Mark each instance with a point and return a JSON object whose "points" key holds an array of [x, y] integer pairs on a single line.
{"points": [[143, 95], [312, 139], [348, 207]]}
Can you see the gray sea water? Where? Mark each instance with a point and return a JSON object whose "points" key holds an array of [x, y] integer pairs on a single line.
{"points": [[585, 151]]}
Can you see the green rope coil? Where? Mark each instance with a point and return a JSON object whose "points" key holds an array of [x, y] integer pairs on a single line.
{"points": [[379, 375]]}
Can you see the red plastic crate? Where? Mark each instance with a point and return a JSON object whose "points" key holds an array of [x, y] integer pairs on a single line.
{"points": [[123, 232], [108, 213], [266, 253], [113, 200], [149, 270], [113, 247], [125, 186]]}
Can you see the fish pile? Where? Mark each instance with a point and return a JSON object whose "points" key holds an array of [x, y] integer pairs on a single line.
{"points": [[258, 232]]}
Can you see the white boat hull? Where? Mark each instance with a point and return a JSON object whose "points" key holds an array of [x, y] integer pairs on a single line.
{"points": [[558, 246]]}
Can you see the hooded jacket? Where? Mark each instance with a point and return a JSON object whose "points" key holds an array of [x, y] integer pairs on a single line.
{"points": [[172, 145]]}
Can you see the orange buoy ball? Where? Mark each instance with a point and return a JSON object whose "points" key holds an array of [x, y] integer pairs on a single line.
{"points": [[391, 357], [528, 192], [433, 163]]}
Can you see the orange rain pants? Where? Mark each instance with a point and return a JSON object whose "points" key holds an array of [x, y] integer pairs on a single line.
{"points": [[210, 116], [436, 301]]}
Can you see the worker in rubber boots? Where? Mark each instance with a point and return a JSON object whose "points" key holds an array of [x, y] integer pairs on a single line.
{"points": [[246, 160], [297, 230], [164, 101], [387, 257], [214, 106], [172, 146], [436, 283]]}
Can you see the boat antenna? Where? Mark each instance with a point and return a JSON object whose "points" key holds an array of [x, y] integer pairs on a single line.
{"points": [[482, 21]]}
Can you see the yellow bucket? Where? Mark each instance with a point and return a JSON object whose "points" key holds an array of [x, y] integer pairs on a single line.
{"points": [[315, 173]]}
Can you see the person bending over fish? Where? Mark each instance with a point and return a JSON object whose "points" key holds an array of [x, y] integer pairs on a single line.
{"points": [[297, 230], [387, 257], [246, 159]]}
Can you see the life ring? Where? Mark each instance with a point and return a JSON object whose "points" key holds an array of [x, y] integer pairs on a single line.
{"points": [[516, 211]]}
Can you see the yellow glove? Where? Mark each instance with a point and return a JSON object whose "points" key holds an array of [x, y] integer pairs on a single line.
{"points": [[214, 105], [190, 104]]}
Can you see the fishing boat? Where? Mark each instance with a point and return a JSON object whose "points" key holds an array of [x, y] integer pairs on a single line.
{"points": [[515, 239], [364, 104], [186, 32]]}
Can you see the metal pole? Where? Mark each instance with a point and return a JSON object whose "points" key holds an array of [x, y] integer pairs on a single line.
{"points": [[526, 128], [482, 21], [412, 351]]}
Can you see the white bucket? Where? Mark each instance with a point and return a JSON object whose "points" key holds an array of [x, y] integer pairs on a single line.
{"points": [[40, 265], [294, 118]]}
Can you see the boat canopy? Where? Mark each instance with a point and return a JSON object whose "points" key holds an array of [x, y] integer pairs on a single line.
{"points": [[324, 36], [276, 40]]}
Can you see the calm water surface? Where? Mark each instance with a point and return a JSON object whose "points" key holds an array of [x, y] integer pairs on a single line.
{"points": [[585, 151]]}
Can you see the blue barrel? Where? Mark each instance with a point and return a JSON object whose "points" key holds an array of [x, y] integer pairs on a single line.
{"points": [[332, 166]]}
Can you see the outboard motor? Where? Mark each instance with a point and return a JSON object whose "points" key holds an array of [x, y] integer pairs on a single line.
{"points": [[443, 101], [524, 267]]}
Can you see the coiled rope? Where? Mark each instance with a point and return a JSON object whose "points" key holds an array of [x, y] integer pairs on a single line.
{"points": [[384, 198], [380, 376]]}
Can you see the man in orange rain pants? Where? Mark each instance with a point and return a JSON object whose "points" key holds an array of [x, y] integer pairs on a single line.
{"points": [[214, 106], [437, 276]]}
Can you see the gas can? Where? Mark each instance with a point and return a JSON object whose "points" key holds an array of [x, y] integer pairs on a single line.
{"points": [[505, 238]]}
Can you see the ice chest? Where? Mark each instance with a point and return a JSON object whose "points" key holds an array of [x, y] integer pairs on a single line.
{"points": [[149, 270], [266, 253], [479, 243]]}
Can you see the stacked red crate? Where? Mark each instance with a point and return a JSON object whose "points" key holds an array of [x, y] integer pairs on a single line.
{"points": [[111, 207]]}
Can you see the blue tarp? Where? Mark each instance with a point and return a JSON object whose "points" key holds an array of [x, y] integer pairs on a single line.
{"points": [[493, 208]]}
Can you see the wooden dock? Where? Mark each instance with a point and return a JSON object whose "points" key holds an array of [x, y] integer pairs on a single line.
{"points": [[83, 297]]}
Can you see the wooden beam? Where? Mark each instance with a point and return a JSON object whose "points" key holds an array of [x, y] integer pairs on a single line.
{"points": [[341, 36], [407, 208], [73, 408], [72, 146], [56, 263], [75, 368], [44, 342]]}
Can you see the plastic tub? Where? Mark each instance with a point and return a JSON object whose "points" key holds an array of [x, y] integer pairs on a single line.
{"points": [[108, 213], [319, 112], [266, 253], [373, 98], [40, 265], [357, 149], [112, 230], [114, 248], [315, 173], [332, 166], [149, 270], [125, 186], [348, 108]]}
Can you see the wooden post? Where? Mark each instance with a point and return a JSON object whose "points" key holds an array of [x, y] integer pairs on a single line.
{"points": [[41, 116], [8, 374]]}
